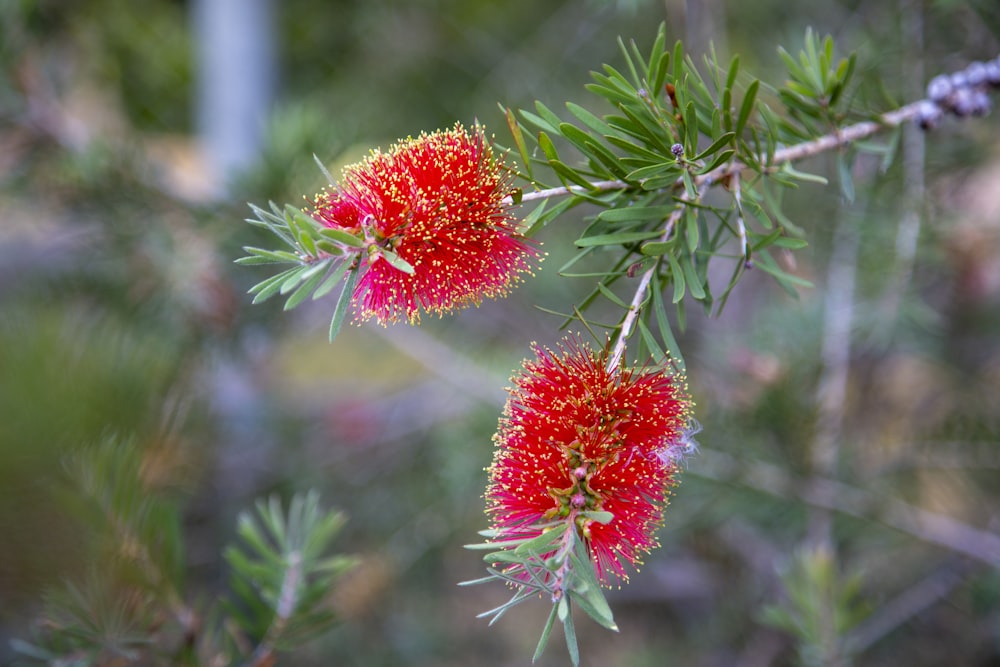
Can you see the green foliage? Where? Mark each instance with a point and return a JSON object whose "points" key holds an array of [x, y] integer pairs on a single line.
{"points": [[132, 605], [675, 133], [821, 608], [282, 575], [556, 564], [320, 258]]}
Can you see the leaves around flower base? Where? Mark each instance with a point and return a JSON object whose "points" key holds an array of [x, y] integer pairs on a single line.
{"points": [[674, 133], [543, 565], [320, 258]]}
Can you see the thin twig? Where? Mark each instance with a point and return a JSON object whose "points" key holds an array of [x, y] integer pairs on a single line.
{"points": [[842, 137], [927, 526], [801, 151]]}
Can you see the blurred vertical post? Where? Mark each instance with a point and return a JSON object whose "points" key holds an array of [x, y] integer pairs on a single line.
{"points": [[236, 73]]}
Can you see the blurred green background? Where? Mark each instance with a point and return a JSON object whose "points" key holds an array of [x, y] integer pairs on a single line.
{"points": [[121, 312]]}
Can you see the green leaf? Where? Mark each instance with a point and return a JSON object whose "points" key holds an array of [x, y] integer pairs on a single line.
{"points": [[617, 238], [268, 288], [304, 290], [690, 129], [262, 256], [667, 170], [611, 296], [293, 279], [325, 172], [571, 643], [647, 337], [677, 273], [746, 108], [716, 145], [589, 119], [546, 113], [342, 237], [543, 542], [539, 122], [333, 280], [395, 261], [694, 283], [546, 631], [655, 248], [547, 146], [345, 298], [666, 334], [515, 131], [635, 213], [719, 160]]}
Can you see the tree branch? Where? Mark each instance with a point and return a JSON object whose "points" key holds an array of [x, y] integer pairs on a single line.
{"points": [[959, 537]]}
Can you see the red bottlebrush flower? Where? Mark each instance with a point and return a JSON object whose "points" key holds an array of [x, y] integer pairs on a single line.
{"points": [[437, 203], [576, 436]]}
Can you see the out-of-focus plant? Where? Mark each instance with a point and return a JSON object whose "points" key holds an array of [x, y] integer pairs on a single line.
{"points": [[132, 607]]}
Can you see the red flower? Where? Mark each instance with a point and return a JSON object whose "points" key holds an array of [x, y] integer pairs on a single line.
{"points": [[437, 203], [576, 436]]}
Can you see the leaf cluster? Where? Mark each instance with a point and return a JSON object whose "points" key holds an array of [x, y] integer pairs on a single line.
{"points": [[131, 606], [557, 564], [282, 575], [676, 130], [319, 259]]}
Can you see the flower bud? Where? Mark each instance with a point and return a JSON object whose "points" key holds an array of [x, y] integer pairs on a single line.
{"points": [[939, 88]]}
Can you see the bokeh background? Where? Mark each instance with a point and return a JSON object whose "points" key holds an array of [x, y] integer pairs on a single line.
{"points": [[133, 134]]}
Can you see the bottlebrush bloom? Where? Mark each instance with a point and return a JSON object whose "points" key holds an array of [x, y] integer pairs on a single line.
{"points": [[576, 436], [437, 203]]}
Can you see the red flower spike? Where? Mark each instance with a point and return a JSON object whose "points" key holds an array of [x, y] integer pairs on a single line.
{"points": [[437, 203], [575, 437]]}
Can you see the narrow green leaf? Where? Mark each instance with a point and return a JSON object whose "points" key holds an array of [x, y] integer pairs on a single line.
{"points": [[663, 323], [274, 256], [655, 248], [609, 91], [690, 129], [543, 542], [262, 256], [664, 169], [694, 283], [539, 122], [691, 232], [749, 98], [345, 298], [547, 146], [589, 119], [547, 114], [307, 243], [766, 263], [662, 66], [325, 172], [293, 279], [340, 236], [304, 290], [592, 601], [655, 350], [569, 175], [734, 70], [396, 261], [720, 159], [544, 639], [267, 288], [617, 238], [518, 135], [725, 138], [611, 296], [677, 274], [571, 643]]}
